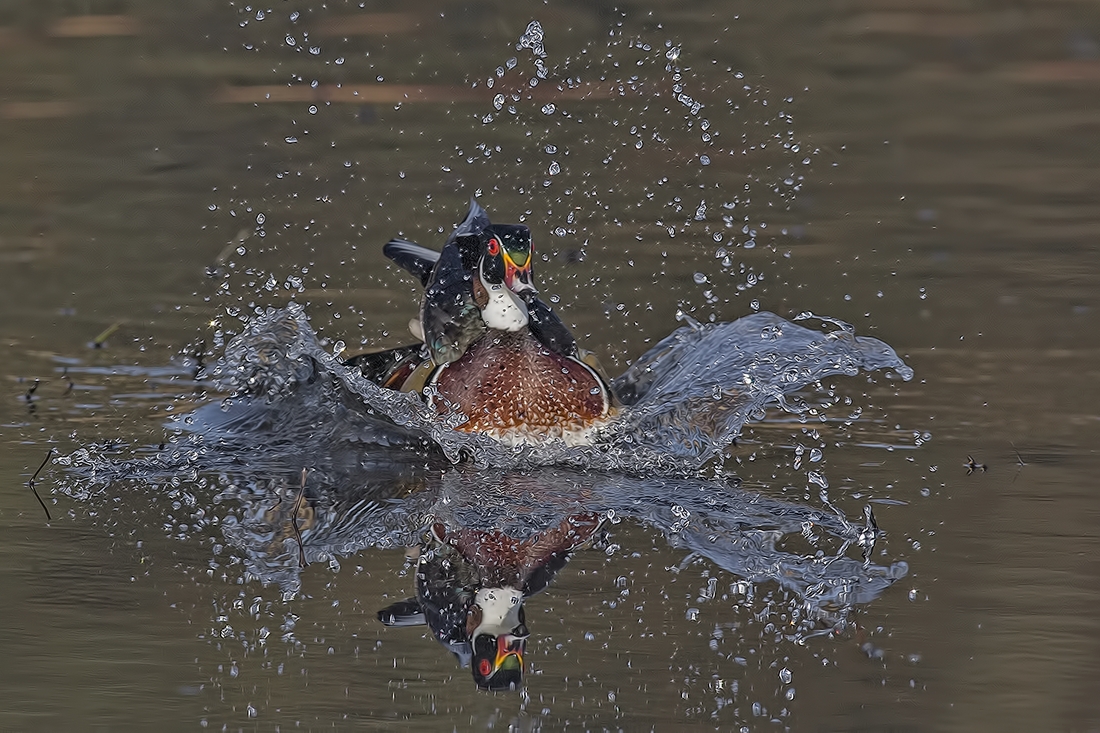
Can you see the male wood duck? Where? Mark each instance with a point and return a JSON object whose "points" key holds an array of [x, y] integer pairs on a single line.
{"points": [[492, 349], [471, 585]]}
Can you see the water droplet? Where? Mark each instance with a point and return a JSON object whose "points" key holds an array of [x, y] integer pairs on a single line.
{"points": [[551, 149], [704, 159], [699, 278], [290, 40], [785, 675], [498, 101], [313, 109], [673, 53], [755, 305], [554, 168], [532, 39], [549, 108], [819, 479]]}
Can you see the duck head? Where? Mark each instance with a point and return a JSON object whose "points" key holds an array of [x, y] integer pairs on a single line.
{"points": [[498, 636], [504, 275]]}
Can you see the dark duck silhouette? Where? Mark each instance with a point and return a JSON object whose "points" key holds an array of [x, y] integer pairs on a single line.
{"points": [[491, 348]]}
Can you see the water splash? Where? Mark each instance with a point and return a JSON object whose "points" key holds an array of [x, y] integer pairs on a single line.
{"points": [[690, 394], [684, 401]]}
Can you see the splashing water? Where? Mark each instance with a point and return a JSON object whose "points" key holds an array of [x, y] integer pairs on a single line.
{"points": [[684, 400], [313, 463], [381, 463], [532, 38]]}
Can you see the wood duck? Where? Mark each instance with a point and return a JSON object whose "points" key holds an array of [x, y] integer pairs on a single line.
{"points": [[471, 585], [492, 349]]}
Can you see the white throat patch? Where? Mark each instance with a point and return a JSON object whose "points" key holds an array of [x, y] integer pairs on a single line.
{"points": [[505, 311], [499, 608]]}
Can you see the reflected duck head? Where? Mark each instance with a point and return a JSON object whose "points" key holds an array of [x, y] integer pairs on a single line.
{"points": [[498, 636]]}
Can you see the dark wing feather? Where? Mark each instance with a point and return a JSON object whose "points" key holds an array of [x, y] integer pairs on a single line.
{"points": [[548, 328], [378, 365], [475, 222], [402, 613], [450, 318], [420, 261]]}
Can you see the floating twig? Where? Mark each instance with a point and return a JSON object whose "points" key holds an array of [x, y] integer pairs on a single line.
{"points": [[65, 374], [294, 521], [102, 338], [30, 392], [34, 478], [972, 466], [1020, 463]]}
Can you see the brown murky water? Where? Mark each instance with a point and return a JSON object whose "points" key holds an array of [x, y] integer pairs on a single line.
{"points": [[949, 208]]}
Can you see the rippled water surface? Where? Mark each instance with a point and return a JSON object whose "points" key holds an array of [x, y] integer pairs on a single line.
{"points": [[881, 517]]}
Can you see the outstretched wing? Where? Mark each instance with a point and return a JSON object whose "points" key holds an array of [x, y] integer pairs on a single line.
{"points": [[449, 315], [548, 328], [420, 261]]}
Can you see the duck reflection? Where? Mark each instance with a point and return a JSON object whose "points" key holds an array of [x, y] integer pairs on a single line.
{"points": [[471, 585]]}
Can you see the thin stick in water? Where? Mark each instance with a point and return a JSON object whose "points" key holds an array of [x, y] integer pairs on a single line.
{"points": [[34, 478], [294, 521]]}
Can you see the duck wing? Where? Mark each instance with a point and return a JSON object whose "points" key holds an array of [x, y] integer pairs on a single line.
{"points": [[449, 316], [548, 328], [419, 261]]}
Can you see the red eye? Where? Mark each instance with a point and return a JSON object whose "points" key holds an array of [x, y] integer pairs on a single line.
{"points": [[483, 667], [494, 247]]}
